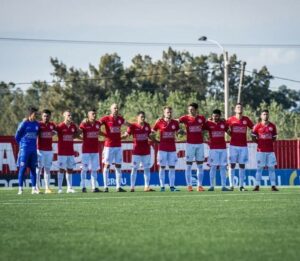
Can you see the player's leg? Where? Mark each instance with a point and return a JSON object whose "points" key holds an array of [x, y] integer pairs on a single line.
{"points": [[84, 169], [146, 161], [39, 169], [213, 162], [136, 160], [233, 159], [69, 174], [62, 163], [47, 163], [22, 164], [118, 156], [242, 159], [199, 155], [107, 158], [271, 163], [261, 162], [32, 164], [162, 161], [190, 155], [223, 168], [171, 161], [94, 170]]}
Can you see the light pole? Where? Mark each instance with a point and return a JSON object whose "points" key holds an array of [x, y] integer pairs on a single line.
{"points": [[226, 65]]}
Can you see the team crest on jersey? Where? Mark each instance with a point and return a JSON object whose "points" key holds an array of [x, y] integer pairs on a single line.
{"points": [[222, 126], [173, 127], [97, 126], [146, 128], [119, 121], [199, 120], [51, 127], [244, 122], [270, 128], [36, 127], [72, 130]]}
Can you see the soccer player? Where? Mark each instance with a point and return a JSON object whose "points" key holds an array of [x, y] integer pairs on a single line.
{"points": [[194, 148], [66, 132], [217, 153], [90, 128], [45, 154], [265, 133], [112, 152], [238, 150], [167, 155], [141, 132], [26, 137]]}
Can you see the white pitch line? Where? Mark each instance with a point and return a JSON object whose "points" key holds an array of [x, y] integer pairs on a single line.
{"points": [[19, 201]]}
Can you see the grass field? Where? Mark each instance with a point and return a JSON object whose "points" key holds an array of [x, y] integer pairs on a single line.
{"points": [[151, 226]]}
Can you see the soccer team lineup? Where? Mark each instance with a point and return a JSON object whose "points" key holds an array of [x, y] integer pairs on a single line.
{"points": [[35, 137]]}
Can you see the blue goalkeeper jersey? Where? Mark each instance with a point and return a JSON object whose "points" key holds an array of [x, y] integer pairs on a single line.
{"points": [[26, 135]]}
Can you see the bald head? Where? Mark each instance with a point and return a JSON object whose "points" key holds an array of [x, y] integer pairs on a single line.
{"points": [[67, 116]]}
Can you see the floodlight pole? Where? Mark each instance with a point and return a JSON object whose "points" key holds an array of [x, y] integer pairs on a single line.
{"points": [[226, 67], [241, 82]]}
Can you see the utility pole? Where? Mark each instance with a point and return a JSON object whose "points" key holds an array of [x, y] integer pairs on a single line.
{"points": [[241, 82]]}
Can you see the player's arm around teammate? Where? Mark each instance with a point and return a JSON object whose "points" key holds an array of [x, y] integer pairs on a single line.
{"points": [[194, 147], [90, 131], [67, 131], [167, 155], [265, 133]]}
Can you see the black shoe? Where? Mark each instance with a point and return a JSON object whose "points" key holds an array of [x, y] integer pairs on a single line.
{"points": [[121, 190], [243, 189], [256, 188], [231, 188], [84, 190], [106, 190], [96, 190], [273, 188]]}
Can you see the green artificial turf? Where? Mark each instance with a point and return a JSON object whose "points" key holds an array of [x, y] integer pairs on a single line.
{"points": [[151, 226]]}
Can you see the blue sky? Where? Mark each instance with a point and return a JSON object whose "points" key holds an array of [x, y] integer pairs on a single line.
{"points": [[227, 21]]}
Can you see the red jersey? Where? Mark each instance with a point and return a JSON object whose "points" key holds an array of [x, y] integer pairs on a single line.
{"points": [[194, 126], [216, 134], [113, 130], [65, 139], [265, 134], [238, 130], [167, 131], [90, 133], [140, 135], [45, 136]]}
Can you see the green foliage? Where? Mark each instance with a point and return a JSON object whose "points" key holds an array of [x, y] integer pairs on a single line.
{"points": [[176, 79]]}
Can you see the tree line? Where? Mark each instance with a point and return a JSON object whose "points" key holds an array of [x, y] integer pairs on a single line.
{"points": [[176, 79]]}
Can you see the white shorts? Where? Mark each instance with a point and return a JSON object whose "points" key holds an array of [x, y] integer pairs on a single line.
{"points": [[66, 162], [112, 155], [45, 159], [144, 160], [194, 152], [238, 154], [266, 159], [217, 157], [90, 161], [165, 158]]}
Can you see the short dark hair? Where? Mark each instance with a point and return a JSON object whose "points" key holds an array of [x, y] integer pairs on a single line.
{"points": [[32, 110], [168, 107], [46, 111], [265, 110], [194, 105], [140, 112], [238, 104], [216, 111]]}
